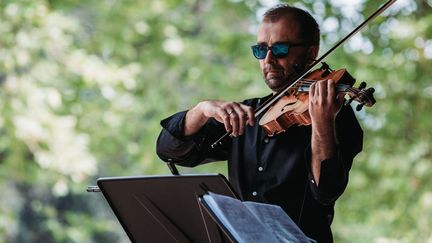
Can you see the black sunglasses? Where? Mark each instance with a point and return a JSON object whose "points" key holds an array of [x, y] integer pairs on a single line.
{"points": [[278, 50]]}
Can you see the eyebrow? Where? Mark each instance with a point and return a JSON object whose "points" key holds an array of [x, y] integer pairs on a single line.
{"points": [[278, 42]]}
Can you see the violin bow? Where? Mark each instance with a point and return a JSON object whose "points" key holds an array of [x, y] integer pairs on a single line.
{"points": [[287, 87]]}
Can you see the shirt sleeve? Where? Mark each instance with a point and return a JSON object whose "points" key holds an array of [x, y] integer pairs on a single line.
{"points": [[189, 151], [334, 171]]}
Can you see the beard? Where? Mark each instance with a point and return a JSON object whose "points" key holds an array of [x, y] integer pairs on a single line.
{"points": [[276, 77]]}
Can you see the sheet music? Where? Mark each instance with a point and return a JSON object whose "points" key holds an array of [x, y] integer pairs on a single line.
{"points": [[237, 218], [276, 220]]}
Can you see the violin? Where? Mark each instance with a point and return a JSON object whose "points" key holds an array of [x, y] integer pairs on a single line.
{"points": [[293, 107]]}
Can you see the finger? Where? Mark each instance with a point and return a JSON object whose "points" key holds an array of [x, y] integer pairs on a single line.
{"points": [[312, 89], [317, 89], [311, 93], [242, 117], [232, 120], [331, 89], [333, 95], [250, 114], [235, 121], [323, 88], [225, 116]]}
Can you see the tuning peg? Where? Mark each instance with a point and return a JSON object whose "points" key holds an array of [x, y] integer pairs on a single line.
{"points": [[325, 66], [359, 106], [362, 85], [370, 90]]}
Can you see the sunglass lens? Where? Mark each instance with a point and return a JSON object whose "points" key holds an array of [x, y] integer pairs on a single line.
{"points": [[280, 50], [259, 51]]}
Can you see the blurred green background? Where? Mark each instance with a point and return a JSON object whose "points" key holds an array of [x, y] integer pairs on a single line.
{"points": [[84, 84]]}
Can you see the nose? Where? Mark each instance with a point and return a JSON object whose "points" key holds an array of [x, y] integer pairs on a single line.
{"points": [[269, 57]]}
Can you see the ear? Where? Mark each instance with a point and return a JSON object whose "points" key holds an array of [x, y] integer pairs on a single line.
{"points": [[312, 53]]}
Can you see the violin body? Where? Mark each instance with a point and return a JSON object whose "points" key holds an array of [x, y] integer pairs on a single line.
{"points": [[292, 108], [289, 110]]}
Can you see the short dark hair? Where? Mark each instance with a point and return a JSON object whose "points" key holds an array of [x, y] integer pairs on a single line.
{"points": [[310, 28]]}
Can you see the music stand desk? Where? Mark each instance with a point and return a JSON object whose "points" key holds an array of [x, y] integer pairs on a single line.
{"points": [[165, 208]]}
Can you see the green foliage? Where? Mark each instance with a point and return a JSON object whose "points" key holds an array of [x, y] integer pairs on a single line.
{"points": [[84, 84]]}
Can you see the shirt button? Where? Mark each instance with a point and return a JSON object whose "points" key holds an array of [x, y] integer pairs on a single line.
{"points": [[260, 168], [254, 194], [266, 140]]}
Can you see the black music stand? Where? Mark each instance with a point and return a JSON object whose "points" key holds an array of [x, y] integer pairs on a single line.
{"points": [[165, 208]]}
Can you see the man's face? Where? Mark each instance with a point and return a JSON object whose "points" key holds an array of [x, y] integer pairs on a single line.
{"points": [[278, 72]]}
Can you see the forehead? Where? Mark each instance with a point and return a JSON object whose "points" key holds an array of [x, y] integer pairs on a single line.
{"points": [[285, 29]]}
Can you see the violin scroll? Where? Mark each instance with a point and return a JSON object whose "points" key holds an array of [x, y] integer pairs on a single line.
{"points": [[364, 96]]}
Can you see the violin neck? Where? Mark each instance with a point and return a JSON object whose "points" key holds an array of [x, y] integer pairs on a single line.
{"points": [[304, 88]]}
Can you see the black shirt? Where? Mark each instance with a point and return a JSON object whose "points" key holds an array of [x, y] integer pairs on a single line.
{"points": [[274, 169]]}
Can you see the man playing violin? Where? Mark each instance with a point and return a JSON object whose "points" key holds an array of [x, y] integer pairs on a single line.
{"points": [[304, 169]]}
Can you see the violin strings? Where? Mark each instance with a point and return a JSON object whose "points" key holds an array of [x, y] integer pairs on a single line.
{"points": [[308, 82], [305, 82]]}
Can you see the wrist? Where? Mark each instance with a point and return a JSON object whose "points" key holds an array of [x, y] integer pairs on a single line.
{"points": [[198, 113], [194, 120], [324, 127], [323, 121]]}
